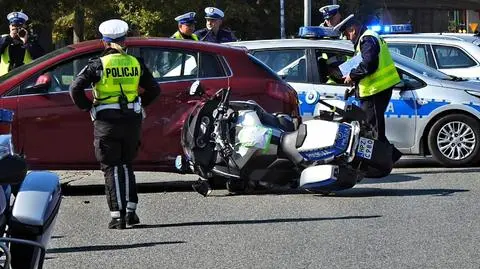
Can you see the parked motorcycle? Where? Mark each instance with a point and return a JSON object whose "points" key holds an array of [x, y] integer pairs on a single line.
{"points": [[26, 219], [240, 141]]}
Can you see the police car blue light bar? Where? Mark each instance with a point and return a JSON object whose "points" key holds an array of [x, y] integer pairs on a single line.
{"points": [[406, 28], [318, 32]]}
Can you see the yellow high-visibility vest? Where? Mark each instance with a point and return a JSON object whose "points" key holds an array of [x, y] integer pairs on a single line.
{"points": [[5, 60], [178, 35], [386, 75], [121, 72]]}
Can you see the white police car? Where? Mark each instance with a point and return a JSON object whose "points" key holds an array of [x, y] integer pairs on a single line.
{"points": [[454, 54], [430, 112]]}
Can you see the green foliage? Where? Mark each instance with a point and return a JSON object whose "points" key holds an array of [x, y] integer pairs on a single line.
{"points": [[249, 19]]}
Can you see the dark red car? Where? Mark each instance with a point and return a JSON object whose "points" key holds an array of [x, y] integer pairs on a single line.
{"points": [[54, 134]]}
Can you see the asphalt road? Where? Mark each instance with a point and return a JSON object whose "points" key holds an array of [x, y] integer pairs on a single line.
{"points": [[416, 218]]}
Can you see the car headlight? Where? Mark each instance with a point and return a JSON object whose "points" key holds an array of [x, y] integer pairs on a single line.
{"points": [[6, 147], [473, 93]]}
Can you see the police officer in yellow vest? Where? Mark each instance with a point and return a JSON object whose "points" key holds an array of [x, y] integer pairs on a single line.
{"points": [[374, 77], [186, 27], [117, 113], [17, 47]]}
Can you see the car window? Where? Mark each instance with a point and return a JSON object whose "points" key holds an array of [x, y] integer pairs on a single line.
{"points": [[168, 65], [404, 49], [289, 63], [423, 55], [418, 68], [452, 57], [59, 76], [327, 64]]}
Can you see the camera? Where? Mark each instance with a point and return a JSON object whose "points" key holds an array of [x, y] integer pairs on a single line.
{"points": [[22, 32]]}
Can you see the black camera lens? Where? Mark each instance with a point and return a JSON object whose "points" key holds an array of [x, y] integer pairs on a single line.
{"points": [[22, 33]]}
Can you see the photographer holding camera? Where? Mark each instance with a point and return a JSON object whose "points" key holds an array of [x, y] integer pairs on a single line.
{"points": [[17, 48]]}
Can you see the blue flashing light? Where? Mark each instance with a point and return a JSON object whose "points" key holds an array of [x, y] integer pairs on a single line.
{"points": [[406, 28], [318, 32], [376, 28]]}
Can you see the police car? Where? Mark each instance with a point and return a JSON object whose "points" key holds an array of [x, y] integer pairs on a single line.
{"points": [[452, 53], [429, 113]]}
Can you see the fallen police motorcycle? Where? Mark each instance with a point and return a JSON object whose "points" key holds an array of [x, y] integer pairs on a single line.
{"points": [[240, 141], [28, 218]]}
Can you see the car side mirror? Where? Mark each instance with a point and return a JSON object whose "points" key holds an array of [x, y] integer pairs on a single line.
{"points": [[196, 89], [42, 85]]}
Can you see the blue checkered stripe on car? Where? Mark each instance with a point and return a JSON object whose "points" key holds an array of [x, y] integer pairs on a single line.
{"points": [[404, 108]]}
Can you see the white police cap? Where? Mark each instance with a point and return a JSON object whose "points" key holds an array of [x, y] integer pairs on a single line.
{"points": [[113, 30], [213, 13], [329, 11], [188, 17], [17, 17]]}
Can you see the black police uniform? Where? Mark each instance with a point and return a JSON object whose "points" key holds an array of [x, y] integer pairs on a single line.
{"points": [[116, 137], [374, 105], [16, 50], [222, 36]]}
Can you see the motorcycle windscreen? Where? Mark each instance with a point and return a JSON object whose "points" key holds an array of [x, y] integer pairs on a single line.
{"points": [[197, 142]]}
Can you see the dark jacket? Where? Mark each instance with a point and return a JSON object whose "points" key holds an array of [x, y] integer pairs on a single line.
{"points": [[221, 37], [16, 50], [370, 49], [91, 74]]}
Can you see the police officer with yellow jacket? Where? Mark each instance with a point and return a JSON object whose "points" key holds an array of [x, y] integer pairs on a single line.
{"points": [[17, 47], [186, 27], [374, 77], [117, 115]]}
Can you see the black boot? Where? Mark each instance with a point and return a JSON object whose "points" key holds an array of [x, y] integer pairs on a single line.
{"points": [[117, 223], [202, 187], [132, 218]]}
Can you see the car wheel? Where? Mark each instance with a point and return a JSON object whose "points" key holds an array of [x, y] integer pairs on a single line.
{"points": [[454, 140]]}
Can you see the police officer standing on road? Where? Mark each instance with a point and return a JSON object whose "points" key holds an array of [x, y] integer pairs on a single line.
{"points": [[16, 48], [212, 32], [117, 115], [186, 27], [374, 77], [331, 15]]}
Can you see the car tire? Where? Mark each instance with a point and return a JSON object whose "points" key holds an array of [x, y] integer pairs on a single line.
{"points": [[454, 140]]}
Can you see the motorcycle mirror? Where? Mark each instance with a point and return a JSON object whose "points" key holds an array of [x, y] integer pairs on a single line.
{"points": [[196, 89]]}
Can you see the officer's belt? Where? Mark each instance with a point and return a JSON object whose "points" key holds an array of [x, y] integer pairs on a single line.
{"points": [[111, 106], [136, 107]]}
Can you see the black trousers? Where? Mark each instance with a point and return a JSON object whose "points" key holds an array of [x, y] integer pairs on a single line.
{"points": [[116, 141], [375, 107]]}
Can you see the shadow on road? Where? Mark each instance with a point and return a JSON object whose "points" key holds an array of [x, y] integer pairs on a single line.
{"points": [[442, 171], [375, 192], [237, 222], [171, 186], [392, 178], [109, 247]]}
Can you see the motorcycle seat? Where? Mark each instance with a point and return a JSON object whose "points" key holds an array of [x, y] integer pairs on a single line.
{"points": [[291, 141]]}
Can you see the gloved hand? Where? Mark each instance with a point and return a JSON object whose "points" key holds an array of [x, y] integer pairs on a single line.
{"points": [[350, 91]]}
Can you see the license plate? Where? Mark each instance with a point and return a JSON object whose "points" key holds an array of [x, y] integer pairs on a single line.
{"points": [[365, 148]]}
